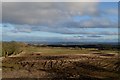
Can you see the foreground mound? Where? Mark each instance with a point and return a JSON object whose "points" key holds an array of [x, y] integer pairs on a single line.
{"points": [[81, 67]]}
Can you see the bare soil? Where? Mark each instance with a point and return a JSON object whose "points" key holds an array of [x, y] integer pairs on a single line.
{"points": [[34, 66]]}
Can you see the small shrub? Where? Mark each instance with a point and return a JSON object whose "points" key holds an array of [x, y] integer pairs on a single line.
{"points": [[9, 48]]}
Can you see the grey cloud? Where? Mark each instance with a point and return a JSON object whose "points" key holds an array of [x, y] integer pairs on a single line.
{"points": [[79, 36], [0, 12], [53, 14], [95, 22], [112, 11], [95, 36], [44, 12], [54, 17], [109, 33]]}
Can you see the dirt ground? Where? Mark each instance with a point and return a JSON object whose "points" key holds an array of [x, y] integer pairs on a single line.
{"points": [[34, 66]]}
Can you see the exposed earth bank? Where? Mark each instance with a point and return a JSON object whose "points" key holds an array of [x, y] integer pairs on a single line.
{"points": [[92, 66]]}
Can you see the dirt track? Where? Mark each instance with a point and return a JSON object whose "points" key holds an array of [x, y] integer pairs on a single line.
{"points": [[79, 66]]}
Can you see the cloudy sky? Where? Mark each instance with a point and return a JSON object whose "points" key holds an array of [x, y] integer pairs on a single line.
{"points": [[60, 21]]}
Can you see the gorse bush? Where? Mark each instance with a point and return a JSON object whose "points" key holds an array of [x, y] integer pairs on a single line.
{"points": [[9, 48]]}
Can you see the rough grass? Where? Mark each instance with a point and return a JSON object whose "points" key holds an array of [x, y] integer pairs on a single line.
{"points": [[16, 47], [11, 48], [82, 67], [54, 63], [58, 51], [0, 49]]}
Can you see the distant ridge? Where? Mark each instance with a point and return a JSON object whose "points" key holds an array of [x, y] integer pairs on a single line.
{"points": [[73, 43]]}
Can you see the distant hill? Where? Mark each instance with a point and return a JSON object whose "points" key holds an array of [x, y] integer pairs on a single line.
{"points": [[71, 43]]}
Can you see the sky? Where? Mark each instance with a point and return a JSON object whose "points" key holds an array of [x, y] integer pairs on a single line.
{"points": [[60, 21]]}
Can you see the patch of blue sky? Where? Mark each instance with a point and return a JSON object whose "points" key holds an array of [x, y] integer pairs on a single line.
{"points": [[108, 5], [95, 30], [78, 18]]}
